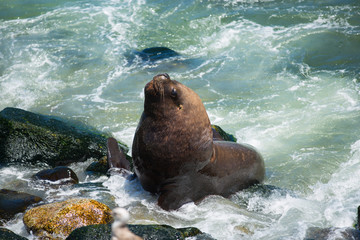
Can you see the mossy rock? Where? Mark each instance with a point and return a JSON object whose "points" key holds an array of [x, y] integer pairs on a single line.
{"points": [[155, 232], [26, 137], [61, 218], [222, 134], [147, 232], [6, 234], [91, 232], [99, 166]]}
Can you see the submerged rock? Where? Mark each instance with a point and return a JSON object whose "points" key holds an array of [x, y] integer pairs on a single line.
{"points": [[61, 174], [6, 234], [58, 220], [27, 137], [315, 233], [13, 202], [162, 59], [156, 53], [148, 232]]}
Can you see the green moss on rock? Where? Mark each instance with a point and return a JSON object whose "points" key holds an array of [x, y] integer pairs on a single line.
{"points": [[224, 135], [26, 137], [99, 166], [9, 235], [147, 232]]}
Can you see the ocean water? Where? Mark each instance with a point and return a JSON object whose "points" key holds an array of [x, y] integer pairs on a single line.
{"points": [[281, 75]]}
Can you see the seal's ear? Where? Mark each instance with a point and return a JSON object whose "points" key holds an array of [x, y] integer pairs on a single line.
{"points": [[163, 76]]}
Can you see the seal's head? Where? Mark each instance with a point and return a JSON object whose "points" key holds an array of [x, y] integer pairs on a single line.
{"points": [[166, 98], [174, 133]]}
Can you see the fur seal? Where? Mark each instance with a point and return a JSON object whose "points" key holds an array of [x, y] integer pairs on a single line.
{"points": [[176, 155]]}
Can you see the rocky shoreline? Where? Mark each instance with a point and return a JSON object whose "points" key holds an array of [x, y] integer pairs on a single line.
{"points": [[26, 139], [53, 143]]}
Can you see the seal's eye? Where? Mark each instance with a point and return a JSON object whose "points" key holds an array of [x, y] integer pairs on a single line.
{"points": [[173, 93]]}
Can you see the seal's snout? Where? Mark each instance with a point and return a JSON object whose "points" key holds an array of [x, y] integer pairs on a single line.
{"points": [[156, 86], [163, 76]]}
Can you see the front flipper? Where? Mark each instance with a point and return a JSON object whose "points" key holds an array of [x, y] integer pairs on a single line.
{"points": [[116, 159], [173, 195]]}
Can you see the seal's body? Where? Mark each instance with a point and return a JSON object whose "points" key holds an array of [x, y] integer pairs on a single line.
{"points": [[174, 152]]}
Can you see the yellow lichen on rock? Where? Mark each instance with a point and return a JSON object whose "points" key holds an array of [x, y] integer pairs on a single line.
{"points": [[58, 220]]}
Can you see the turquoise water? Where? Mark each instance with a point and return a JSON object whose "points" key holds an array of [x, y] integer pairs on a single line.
{"points": [[281, 75]]}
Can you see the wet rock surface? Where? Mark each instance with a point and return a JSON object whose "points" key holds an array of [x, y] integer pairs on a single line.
{"points": [[6, 234], [13, 202], [98, 167], [60, 174], [27, 137], [147, 232], [156, 53]]}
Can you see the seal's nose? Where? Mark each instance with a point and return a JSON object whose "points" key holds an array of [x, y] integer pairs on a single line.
{"points": [[163, 76]]}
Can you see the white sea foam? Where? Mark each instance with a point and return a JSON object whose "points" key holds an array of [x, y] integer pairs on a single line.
{"points": [[127, 192], [340, 194], [126, 135]]}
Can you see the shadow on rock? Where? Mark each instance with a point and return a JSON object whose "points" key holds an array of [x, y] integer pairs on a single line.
{"points": [[13, 202]]}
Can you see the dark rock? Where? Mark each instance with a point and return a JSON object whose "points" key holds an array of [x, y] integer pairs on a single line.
{"points": [[148, 232], [192, 231], [99, 166], [156, 53], [162, 59], [27, 137], [220, 135], [91, 232], [6, 234], [315, 233], [12, 202], [357, 224], [155, 232], [189, 231], [63, 174]]}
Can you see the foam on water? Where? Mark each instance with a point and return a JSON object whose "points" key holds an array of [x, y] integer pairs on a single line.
{"points": [[341, 192]]}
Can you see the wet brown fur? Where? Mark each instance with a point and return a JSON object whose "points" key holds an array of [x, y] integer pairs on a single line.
{"points": [[174, 152]]}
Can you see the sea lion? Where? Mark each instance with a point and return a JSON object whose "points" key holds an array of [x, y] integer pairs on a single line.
{"points": [[175, 155]]}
